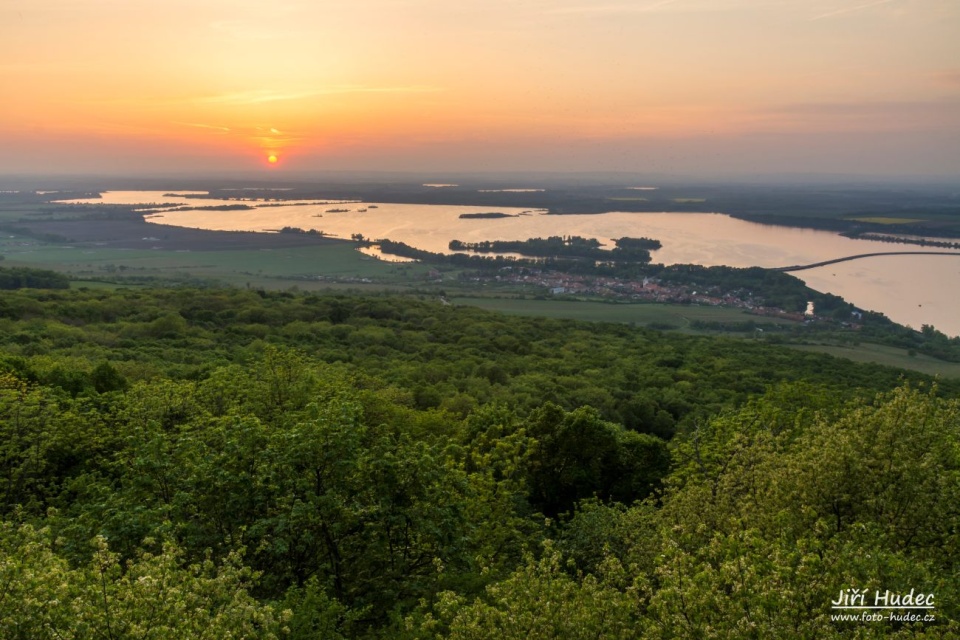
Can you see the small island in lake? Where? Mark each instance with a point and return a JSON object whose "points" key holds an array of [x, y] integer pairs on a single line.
{"points": [[489, 214], [218, 207], [628, 250]]}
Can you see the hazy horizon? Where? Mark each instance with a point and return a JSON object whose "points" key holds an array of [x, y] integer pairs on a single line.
{"points": [[211, 178], [721, 88]]}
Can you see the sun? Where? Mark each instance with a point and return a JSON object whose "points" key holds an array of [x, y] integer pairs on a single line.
{"points": [[272, 158]]}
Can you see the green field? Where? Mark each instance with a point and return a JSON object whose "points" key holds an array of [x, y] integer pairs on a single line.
{"points": [[297, 264], [679, 316], [890, 356]]}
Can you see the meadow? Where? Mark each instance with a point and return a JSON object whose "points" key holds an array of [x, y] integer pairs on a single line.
{"points": [[887, 356], [662, 315]]}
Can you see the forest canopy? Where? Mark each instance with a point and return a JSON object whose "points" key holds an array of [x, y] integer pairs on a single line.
{"points": [[184, 463]]}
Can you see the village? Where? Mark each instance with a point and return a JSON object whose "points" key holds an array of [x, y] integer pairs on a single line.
{"points": [[647, 289]]}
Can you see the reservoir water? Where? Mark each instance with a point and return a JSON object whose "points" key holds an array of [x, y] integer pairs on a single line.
{"points": [[910, 289]]}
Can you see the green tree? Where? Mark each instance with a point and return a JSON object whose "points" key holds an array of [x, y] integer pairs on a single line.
{"points": [[579, 455], [155, 596], [759, 540], [538, 601]]}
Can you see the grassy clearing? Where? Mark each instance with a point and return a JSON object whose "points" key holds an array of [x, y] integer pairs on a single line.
{"points": [[890, 356], [679, 316]]}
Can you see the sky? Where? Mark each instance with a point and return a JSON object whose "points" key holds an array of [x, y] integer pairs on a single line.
{"points": [[685, 87]]}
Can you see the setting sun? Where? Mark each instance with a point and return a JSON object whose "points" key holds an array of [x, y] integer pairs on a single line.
{"points": [[272, 159]]}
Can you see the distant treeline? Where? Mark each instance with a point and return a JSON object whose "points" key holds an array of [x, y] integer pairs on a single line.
{"points": [[25, 278], [923, 242], [854, 225]]}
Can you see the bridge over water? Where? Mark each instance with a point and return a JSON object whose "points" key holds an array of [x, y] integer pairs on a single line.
{"points": [[801, 267]]}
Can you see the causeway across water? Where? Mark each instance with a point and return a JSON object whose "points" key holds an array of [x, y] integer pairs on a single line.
{"points": [[801, 267]]}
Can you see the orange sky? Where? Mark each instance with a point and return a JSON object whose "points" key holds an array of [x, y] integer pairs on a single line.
{"points": [[683, 86]]}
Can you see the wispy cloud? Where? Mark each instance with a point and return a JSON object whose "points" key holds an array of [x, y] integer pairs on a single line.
{"points": [[612, 8], [260, 96], [268, 141], [263, 134], [198, 125], [853, 9]]}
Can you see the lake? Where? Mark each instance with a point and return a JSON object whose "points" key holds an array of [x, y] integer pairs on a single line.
{"points": [[912, 290]]}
